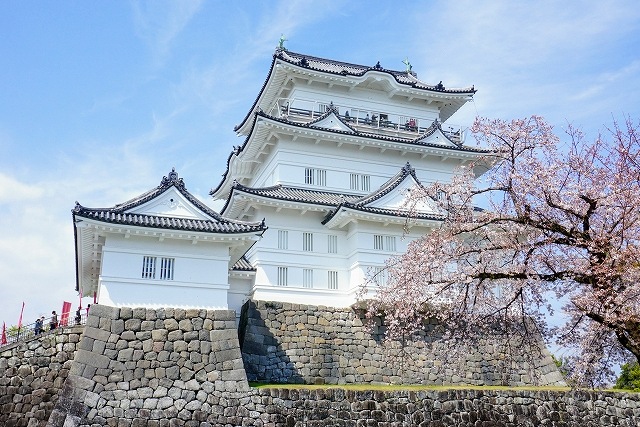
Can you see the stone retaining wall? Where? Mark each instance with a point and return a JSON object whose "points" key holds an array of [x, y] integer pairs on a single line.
{"points": [[461, 408], [294, 343], [183, 368], [31, 375], [136, 365]]}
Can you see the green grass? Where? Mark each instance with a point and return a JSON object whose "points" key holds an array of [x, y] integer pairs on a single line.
{"points": [[407, 387]]}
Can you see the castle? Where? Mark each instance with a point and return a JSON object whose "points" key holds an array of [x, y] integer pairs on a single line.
{"points": [[314, 196], [194, 304]]}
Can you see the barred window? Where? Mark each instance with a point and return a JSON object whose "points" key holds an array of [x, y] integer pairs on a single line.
{"points": [[380, 275], [314, 176], [378, 242], [332, 244], [149, 267], [283, 239], [332, 279], [384, 243], [283, 279], [360, 182], [307, 242], [307, 278], [166, 268]]}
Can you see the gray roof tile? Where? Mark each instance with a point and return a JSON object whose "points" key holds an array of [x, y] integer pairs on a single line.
{"points": [[119, 215]]}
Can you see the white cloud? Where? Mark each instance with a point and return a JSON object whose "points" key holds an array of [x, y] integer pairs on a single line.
{"points": [[159, 23], [12, 190]]}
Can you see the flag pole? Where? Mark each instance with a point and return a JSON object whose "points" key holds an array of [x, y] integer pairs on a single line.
{"points": [[20, 319]]}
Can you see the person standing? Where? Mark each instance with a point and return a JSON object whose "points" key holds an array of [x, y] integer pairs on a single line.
{"points": [[78, 316], [53, 323], [38, 327]]}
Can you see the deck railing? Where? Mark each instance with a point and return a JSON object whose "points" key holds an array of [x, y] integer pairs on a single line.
{"points": [[388, 124], [30, 331]]}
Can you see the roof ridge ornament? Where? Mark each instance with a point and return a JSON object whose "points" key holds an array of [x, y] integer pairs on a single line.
{"points": [[377, 66], [408, 65], [172, 179], [281, 43]]}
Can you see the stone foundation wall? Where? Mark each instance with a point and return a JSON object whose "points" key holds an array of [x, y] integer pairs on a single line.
{"points": [[183, 368], [461, 408], [32, 374], [293, 343], [136, 365]]}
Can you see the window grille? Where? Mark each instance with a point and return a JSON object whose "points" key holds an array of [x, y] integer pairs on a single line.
{"points": [[166, 268], [315, 177], [360, 182], [283, 279], [384, 243], [390, 243], [307, 242], [332, 279], [149, 267], [307, 278], [283, 239], [378, 242], [380, 276], [332, 244]]}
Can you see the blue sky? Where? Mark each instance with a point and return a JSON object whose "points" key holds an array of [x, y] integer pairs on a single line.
{"points": [[99, 100]]}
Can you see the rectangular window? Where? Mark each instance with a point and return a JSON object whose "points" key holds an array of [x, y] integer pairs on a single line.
{"points": [[384, 243], [166, 268], [332, 244], [315, 177], [360, 182], [321, 176], [307, 278], [283, 239], [307, 242], [332, 279], [378, 242], [283, 279], [149, 267], [379, 276], [390, 243]]}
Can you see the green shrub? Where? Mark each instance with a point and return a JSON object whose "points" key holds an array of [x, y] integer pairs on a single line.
{"points": [[629, 378]]}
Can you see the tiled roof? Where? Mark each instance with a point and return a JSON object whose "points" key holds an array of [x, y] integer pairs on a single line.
{"points": [[387, 187], [361, 204], [348, 69], [119, 215], [345, 68], [415, 141], [293, 194], [419, 141], [336, 201], [243, 265]]}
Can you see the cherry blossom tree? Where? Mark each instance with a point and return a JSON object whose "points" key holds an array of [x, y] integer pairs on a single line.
{"points": [[562, 229]]}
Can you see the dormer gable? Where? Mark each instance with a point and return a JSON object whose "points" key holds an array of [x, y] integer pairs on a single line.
{"points": [[435, 135], [395, 195], [170, 203], [331, 120]]}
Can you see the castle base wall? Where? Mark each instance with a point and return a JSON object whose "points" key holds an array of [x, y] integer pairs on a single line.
{"points": [[295, 343], [183, 368]]}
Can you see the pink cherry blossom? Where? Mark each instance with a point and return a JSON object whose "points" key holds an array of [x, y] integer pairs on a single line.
{"points": [[562, 227]]}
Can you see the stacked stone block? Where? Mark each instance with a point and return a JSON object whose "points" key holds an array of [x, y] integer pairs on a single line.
{"points": [[432, 408], [31, 375], [138, 367], [295, 343]]}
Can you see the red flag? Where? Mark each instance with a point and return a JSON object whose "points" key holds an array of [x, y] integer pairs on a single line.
{"points": [[3, 341], [20, 319], [66, 309]]}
